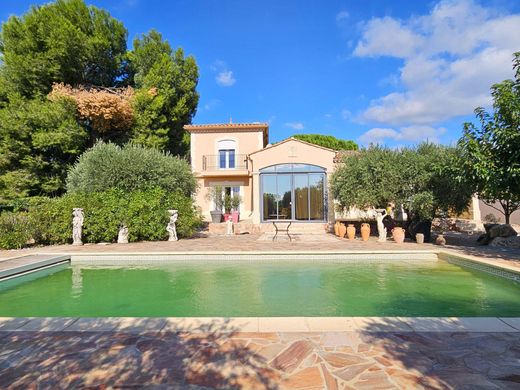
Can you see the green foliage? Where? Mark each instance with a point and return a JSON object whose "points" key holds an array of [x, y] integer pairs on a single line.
{"points": [[327, 141], [65, 41], [215, 194], [235, 202], [425, 179], [166, 97], [129, 168], [68, 42], [492, 151], [145, 213], [14, 230], [39, 139]]}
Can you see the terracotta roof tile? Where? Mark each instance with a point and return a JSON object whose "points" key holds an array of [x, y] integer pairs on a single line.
{"points": [[227, 126]]}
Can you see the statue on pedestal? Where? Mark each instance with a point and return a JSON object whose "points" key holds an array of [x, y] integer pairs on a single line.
{"points": [[171, 228], [381, 229], [122, 237], [77, 226]]}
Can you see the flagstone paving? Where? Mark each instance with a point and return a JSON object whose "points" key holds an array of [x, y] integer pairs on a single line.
{"points": [[220, 359]]}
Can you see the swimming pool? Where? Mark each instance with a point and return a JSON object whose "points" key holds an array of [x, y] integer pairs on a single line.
{"points": [[264, 289]]}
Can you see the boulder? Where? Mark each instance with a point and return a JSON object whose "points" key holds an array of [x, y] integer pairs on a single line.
{"points": [[506, 242], [502, 231]]}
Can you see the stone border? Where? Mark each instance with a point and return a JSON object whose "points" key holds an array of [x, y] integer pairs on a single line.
{"points": [[260, 324], [201, 257]]}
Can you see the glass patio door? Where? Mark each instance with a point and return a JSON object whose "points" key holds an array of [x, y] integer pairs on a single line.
{"points": [[293, 192]]}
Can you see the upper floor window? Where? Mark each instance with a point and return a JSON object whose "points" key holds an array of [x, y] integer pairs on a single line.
{"points": [[226, 154]]}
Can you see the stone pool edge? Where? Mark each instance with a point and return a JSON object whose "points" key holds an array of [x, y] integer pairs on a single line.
{"points": [[260, 324]]}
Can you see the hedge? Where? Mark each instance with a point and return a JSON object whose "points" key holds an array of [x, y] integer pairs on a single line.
{"points": [[145, 213], [15, 230]]}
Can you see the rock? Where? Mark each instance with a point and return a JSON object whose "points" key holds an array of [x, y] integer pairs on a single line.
{"points": [[506, 242], [440, 240], [501, 231], [483, 239]]}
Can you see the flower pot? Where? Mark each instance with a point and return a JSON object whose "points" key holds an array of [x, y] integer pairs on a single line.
{"points": [[365, 231], [351, 231], [398, 235], [216, 216], [227, 216], [235, 215], [336, 228], [419, 238], [342, 229]]}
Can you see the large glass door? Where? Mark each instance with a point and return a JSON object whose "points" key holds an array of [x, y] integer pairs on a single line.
{"points": [[277, 197], [296, 196]]}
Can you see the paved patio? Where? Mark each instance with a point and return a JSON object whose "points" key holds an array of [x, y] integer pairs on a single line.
{"points": [[255, 243], [292, 360]]}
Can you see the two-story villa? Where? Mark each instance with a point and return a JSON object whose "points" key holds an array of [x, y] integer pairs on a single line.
{"points": [[284, 181]]}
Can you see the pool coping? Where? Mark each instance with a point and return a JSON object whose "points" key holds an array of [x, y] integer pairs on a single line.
{"points": [[269, 324], [260, 324]]}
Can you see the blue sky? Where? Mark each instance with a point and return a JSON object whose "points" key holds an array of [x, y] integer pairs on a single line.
{"points": [[391, 72]]}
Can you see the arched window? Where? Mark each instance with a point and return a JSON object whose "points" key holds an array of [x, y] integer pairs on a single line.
{"points": [[293, 192]]}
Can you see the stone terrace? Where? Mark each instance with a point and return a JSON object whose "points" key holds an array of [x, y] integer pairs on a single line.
{"points": [[292, 360]]}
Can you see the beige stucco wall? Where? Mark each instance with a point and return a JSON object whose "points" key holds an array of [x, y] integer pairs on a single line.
{"points": [[244, 182], [207, 144], [288, 152], [486, 209]]}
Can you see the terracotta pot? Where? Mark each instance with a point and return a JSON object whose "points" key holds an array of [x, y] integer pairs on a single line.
{"points": [[398, 235], [342, 229], [365, 231], [419, 238], [351, 231], [336, 228]]}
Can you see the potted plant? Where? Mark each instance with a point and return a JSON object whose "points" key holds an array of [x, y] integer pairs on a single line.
{"points": [[215, 194], [227, 207], [235, 208]]}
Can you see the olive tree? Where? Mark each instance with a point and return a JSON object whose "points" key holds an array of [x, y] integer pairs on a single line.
{"points": [[492, 150]]}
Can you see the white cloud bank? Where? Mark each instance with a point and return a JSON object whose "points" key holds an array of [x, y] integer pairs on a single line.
{"points": [[451, 58], [379, 135]]}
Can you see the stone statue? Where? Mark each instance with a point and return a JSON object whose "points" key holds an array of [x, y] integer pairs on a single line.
{"points": [[381, 229], [171, 228], [229, 227], [122, 237], [77, 226]]}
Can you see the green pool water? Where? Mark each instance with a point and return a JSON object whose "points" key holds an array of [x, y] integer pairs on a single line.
{"points": [[430, 288]]}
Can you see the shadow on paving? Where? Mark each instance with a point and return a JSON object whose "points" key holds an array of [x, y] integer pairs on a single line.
{"points": [[446, 360], [183, 358]]}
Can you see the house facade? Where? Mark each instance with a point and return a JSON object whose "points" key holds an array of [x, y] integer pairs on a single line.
{"points": [[285, 181]]}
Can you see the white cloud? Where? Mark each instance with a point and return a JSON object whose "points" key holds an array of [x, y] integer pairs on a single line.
{"points": [[295, 125], [224, 76], [379, 135], [342, 16], [451, 57]]}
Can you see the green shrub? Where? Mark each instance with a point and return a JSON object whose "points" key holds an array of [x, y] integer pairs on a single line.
{"points": [[14, 230], [106, 166], [145, 213]]}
